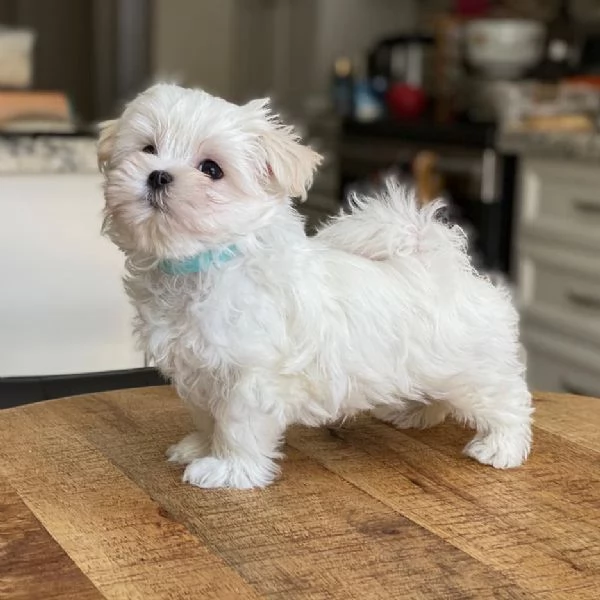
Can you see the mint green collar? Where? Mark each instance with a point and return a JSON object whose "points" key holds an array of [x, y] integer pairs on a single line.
{"points": [[199, 263]]}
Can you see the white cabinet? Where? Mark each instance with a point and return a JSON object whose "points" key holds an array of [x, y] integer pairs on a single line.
{"points": [[559, 274], [62, 305], [560, 362], [560, 203]]}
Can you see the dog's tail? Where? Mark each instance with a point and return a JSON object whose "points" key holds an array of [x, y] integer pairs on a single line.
{"points": [[393, 225]]}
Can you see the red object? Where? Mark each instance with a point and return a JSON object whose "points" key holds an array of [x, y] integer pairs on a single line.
{"points": [[471, 8], [405, 101]]}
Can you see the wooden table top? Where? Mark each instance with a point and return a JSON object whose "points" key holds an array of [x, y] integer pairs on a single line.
{"points": [[90, 509]]}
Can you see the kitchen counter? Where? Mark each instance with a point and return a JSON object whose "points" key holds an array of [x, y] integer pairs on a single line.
{"points": [[577, 146], [47, 153], [91, 509]]}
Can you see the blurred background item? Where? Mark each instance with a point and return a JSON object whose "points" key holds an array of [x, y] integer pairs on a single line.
{"points": [[428, 181], [343, 87], [35, 111], [503, 49], [396, 71], [16, 57], [563, 45]]}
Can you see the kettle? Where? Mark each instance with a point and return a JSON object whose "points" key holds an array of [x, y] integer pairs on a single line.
{"points": [[398, 59], [396, 71]]}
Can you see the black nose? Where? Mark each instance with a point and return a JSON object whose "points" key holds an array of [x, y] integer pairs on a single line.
{"points": [[159, 179]]}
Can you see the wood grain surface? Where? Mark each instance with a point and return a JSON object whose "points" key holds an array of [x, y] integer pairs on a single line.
{"points": [[90, 509]]}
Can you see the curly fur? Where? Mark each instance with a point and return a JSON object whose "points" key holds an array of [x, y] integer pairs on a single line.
{"points": [[380, 311]]}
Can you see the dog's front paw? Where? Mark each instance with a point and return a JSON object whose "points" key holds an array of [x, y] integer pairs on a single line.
{"points": [[192, 446], [212, 472]]}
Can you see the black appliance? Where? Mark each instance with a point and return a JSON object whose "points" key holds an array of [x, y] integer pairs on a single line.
{"points": [[590, 54]]}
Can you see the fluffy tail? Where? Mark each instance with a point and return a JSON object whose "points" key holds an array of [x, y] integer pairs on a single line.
{"points": [[392, 225]]}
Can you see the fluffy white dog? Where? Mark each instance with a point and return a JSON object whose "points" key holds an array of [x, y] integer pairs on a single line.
{"points": [[259, 326]]}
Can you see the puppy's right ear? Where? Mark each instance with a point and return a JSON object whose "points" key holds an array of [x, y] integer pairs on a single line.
{"points": [[289, 164], [106, 142]]}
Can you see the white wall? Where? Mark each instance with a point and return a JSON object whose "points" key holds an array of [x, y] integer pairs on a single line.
{"points": [[350, 28], [241, 48], [192, 43], [63, 309]]}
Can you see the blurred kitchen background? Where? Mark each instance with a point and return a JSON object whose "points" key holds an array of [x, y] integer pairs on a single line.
{"points": [[494, 105]]}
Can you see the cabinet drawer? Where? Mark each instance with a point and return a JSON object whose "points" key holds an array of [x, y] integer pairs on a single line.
{"points": [[558, 363], [560, 287], [554, 285], [549, 373], [562, 198]]}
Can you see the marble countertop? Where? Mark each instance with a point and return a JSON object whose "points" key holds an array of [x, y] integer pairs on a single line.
{"points": [[575, 146], [76, 153], [44, 154]]}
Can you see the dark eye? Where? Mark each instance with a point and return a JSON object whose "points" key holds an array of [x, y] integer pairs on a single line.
{"points": [[149, 149], [211, 168]]}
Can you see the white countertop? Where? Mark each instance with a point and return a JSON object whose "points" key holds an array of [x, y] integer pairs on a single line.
{"points": [[570, 145]]}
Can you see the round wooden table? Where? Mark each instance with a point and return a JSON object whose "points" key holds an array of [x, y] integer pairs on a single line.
{"points": [[90, 509]]}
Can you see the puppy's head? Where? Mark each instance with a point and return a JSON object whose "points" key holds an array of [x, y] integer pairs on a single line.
{"points": [[185, 171]]}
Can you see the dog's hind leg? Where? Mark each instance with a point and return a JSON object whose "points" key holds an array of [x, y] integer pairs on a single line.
{"points": [[502, 417]]}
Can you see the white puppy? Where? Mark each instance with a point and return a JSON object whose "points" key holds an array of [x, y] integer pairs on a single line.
{"points": [[259, 326]]}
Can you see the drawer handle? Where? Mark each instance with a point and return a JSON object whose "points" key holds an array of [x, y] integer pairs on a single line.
{"points": [[576, 390], [583, 300], [589, 207]]}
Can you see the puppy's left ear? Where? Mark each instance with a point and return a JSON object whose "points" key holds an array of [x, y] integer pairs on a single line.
{"points": [[106, 142], [290, 165]]}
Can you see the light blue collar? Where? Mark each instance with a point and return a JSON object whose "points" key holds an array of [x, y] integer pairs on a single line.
{"points": [[199, 263]]}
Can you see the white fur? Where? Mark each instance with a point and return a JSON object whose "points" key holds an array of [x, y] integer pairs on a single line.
{"points": [[381, 310]]}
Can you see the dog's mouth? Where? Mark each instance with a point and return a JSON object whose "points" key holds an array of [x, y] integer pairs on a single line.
{"points": [[157, 200]]}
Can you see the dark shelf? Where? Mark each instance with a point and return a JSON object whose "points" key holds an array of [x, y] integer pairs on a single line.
{"points": [[479, 135]]}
